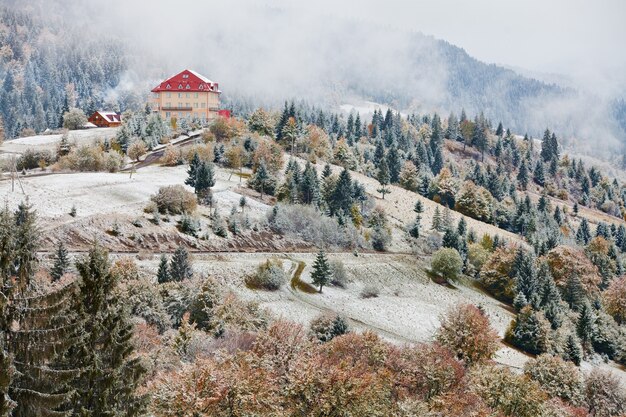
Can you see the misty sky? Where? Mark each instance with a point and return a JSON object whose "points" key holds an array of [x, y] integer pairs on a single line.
{"points": [[580, 38]]}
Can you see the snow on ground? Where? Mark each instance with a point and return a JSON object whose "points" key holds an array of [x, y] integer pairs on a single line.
{"points": [[49, 142], [99, 193]]}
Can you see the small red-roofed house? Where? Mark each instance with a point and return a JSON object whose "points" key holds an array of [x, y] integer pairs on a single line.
{"points": [[102, 118]]}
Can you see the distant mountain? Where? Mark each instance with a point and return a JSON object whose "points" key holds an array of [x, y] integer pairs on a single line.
{"points": [[263, 56]]}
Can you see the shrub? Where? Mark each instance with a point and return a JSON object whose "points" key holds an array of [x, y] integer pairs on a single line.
{"points": [[31, 159], [172, 156], [144, 300], [512, 395], [308, 224], [429, 370], [91, 158], [74, 119], [614, 299], [174, 199], [447, 263], [339, 275], [466, 331], [328, 326], [136, 150], [270, 275], [557, 377], [604, 394], [189, 225], [370, 291], [381, 237], [496, 274], [126, 269]]}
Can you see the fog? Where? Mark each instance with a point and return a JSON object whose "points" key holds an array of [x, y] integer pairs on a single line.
{"points": [[335, 52]]}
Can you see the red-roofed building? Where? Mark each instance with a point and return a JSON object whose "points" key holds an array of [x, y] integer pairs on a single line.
{"points": [[186, 95], [102, 118]]}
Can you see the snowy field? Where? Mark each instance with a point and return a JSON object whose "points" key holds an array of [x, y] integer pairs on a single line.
{"points": [[49, 142]]}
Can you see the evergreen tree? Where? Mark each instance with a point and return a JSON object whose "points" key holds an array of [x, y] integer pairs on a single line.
{"points": [[522, 176], [437, 164], [539, 175], [437, 220], [450, 239], [583, 234], [394, 164], [36, 327], [180, 265], [383, 178], [322, 273], [309, 187], [205, 179], [462, 227], [261, 179], [585, 326], [573, 352], [110, 374], [163, 273], [61, 263], [192, 170], [341, 196]]}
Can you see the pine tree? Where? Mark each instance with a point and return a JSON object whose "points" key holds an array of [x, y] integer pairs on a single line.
{"points": [[205, 179], [450, 239], [462, 227], [341, 196], [261, 179], [383, 178], [180, 265], [583, 234], [573, 352], [163, 273], [110, 373], [539, 175], [585, 326], [61, 263], [322, 273], [192, 170], [437, 221], [522, 176], [36, 328], [394, 164]]}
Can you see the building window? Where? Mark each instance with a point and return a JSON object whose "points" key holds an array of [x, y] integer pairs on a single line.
{"points": [[195, 104], [187, 105], [203, 105], [168, 95], [187, 87], [167, 114], [168, 104], [180, 86], [201, 86], [188, 95], [185, 75], [168, 87], [180, 114], [180, 95], [195, 95]]}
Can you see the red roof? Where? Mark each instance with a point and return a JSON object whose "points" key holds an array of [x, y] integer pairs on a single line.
{"points": [[187, 80]]}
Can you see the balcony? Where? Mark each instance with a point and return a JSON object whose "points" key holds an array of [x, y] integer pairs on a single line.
{"points": [[176, 108]]}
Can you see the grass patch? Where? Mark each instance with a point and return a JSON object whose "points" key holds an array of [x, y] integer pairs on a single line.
{"points": [[243, 174], [298, 284]]}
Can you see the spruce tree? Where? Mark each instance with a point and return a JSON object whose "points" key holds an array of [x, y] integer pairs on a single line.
{"points": [[583, 234], [194, 164], [322, 273], [36, 328], [180, 265], [163, 273], [585, 326], [61, 263], [341, 196], [522, 176], [437, 221], [383, 178], [110, 374], [573, 352], [205, 179]]}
